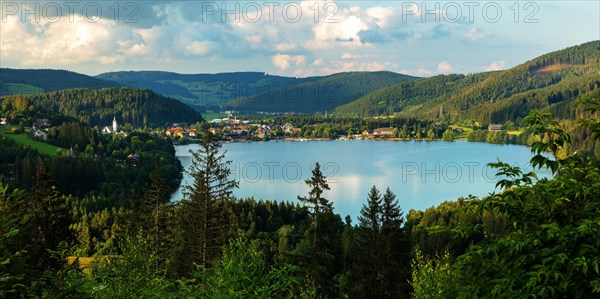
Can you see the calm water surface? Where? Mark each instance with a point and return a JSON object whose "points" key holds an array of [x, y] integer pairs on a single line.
{"points": [[421, 173]]}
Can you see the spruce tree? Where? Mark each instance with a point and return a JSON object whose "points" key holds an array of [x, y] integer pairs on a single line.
{"points": [[316, 203], [380, 268], [157, 195], [395, 271], [367, 262], [204, 226], [324, 244]]}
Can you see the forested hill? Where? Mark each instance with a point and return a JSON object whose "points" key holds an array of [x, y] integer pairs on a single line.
{"points": [[550, 82], [204, 91], [134, 106], [30, 81], [320, 95]]}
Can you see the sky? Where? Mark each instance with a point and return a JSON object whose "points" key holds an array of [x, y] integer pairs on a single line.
{"points": [[301, 38]]}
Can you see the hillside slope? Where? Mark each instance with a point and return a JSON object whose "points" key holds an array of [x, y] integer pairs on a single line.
{"points": [[320, 95], [134, 106], [30, 81], [203, 91], [545, 82]]}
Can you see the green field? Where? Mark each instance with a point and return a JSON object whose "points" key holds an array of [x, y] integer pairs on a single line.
{"points": [[515, 132], [41, 147], [464, 134], [210, 115]]}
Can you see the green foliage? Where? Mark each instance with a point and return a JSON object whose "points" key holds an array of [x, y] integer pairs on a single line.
{"points": [[477, 136], [448, 135], [131, 274], [592, 122], [551, 244], [244, 273], [12, 254], [432, 277], [552, 139]]}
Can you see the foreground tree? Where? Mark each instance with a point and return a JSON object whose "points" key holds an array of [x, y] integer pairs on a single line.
{"points": [[317, 204], [381, 264], [367, 258], [552, 227], [202, 208], [322, 243], [395, 249]]}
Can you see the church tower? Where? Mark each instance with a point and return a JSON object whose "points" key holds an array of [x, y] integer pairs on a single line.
{"points": [[115, 125]]}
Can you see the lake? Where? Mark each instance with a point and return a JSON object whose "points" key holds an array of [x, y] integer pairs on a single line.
{"points": [[421, 173]]}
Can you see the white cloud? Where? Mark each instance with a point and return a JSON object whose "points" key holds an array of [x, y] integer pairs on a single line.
{"points": [[352, 66], [344, 33], [299, 60], [475, 34], [285, 47], [419, 72], [254, 39], [444, 67], [414, 37], [43, 44], [283, 61], [366, 37], [496, 65], [199, 48], [384, 17], [350, 56], [304, 72]]}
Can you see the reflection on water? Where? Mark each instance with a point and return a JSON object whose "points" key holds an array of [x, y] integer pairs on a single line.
{"points": [[422, 174]]}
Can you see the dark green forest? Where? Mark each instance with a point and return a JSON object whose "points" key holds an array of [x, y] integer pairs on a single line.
{"points": [[133, 106], [15, 81], [203, 91], [324, 94], [550, 82], [529, 238]]}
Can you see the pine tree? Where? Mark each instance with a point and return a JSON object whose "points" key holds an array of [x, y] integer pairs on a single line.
{"points": [[211, 186], [325, 232], [316, 203], [380, 268], [367, 263], [157, 195], [395, 270]]}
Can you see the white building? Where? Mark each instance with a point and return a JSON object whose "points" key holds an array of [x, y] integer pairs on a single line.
{"points": [[109, 130]]}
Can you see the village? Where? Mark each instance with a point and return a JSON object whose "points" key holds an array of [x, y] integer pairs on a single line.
{"points": [[235, 130]]}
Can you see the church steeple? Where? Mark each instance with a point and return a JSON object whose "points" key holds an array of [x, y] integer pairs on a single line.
{"points": [[115, 127]]}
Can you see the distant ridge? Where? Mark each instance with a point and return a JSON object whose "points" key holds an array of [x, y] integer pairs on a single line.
{"points": [[134, 106], [31, 81], [320, 94], [551, 81], [202, 91]]}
